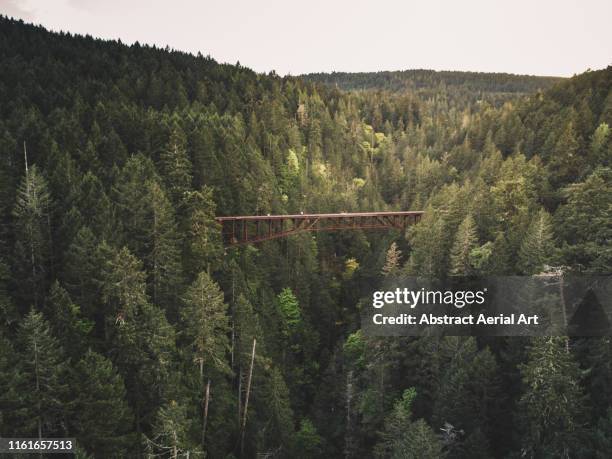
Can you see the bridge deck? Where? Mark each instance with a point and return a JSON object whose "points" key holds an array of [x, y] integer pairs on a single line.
{"points": [[247, 229]]}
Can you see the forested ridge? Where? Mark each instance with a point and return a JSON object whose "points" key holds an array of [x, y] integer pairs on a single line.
{"points": [[493, 87], [125, 323]]}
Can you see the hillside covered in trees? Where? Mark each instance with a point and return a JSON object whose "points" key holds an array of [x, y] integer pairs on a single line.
{"points": [[492, 87], [126, 324]]}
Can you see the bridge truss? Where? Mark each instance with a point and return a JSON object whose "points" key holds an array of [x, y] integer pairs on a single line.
{"points": [[249, 229]]}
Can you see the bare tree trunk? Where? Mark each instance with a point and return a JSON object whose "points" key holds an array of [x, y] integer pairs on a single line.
{"points": [[233, 340], [239, 396], [206, 399], [246, 400], [348, 436], [30, 236], [233, 322], [39, 421], [174, 447], [51, 262], [562, 296], [155, 268]]}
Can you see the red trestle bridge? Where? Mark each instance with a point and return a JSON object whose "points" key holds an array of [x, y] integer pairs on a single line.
{"points": [[249, 229]]}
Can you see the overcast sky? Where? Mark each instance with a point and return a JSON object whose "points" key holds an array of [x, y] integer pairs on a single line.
{"points": [[541, 37]]}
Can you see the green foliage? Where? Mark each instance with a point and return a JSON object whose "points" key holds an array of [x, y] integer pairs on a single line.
{"points": [[67, 321], [392, 262], [354, 347], [427, 259], [290, 310], [280, 414], [99, 415], [32, 231], [123, 285], [461, 251], [419, 441], [139, 337], [175, 164], [205, 323], [307, 443], [10, 397], [603, 436], [40, 378], [586, 246], [163, 261], [170, 432], [111, 234], [537, 248], [8, 314], [82, 269], [598, 142], [430, 80], [204, 244], [552, 405], [468, 388], [403, 438], [480, 257]]}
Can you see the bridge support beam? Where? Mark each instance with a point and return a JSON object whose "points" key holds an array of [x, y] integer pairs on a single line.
{"points": [[250, 229]]}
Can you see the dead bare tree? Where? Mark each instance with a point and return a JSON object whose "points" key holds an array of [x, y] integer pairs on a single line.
{"points": [[246, 400], [206, 399]]}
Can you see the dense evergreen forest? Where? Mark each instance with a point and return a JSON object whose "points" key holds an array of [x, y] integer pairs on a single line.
{"points": [[492, 87], [126, 324]]}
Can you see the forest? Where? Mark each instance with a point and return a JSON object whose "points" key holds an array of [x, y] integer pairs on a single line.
{"points": [[126, 324], [495, 88]]}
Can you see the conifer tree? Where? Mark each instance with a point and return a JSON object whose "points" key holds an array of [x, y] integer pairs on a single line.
{"points": [[163, 258], [95, 206], [403, 438], [13, 409], [538, 244], [205, 326], [427, 258], [598, 142], [171, 432], [420, 442], [466, 241], [8, 312], [81, 269], [246, 327], [42, 384], [501, 255], [588, 245], [278, 407], [307, 442], [551, 406], [100, 417], [290, 311], [140, 339], [175, 164], [204, 242], [392, 261], [123, 285], [205, 322], [468, 387], [564, 162], [67, 321], [131, 192], [32, 213]]}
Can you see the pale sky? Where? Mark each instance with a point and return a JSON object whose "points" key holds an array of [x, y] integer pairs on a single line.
{"points": [[540, 37]]}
